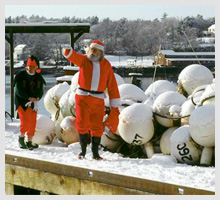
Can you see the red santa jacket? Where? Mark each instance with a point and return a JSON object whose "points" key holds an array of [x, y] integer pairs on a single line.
{"points": [[95, 76]]}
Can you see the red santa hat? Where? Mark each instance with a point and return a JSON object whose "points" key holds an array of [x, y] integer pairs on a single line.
{"points": [[97, 44]]}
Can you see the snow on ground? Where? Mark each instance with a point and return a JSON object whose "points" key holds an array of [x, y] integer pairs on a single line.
{"points": [[159, 168]]}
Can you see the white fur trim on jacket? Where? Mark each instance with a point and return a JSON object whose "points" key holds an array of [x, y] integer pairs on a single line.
{"points": [[97, 46], [115, 102]]}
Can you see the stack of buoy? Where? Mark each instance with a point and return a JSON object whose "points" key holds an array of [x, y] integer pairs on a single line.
{"points": [[177, 120]]}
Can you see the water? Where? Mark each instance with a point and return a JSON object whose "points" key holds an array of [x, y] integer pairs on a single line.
{"points": [[51, 81]]}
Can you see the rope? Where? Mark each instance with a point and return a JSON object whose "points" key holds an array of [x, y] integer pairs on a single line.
{"points": [[58, 109], [170, 117]]}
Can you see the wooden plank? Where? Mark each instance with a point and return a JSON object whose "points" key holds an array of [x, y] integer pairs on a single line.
{"points": [[95, 188], [48, 183], [139, 184], [42, 181]]}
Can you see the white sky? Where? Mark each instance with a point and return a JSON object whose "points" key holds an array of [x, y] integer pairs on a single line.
{"points": [[114, 12]]}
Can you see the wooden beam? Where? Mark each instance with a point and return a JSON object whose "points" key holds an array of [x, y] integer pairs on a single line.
{"points": [[118, 180]]}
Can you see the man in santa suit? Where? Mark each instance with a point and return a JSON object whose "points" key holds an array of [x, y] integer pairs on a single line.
{"points": [[95, 76]]}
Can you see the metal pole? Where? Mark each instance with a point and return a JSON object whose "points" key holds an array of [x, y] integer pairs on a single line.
{"points": [[12, 72]]}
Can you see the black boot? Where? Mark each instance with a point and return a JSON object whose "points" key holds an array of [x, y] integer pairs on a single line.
{"points": [[95, 148], [83, 143], [21, 143], [31, 146]]}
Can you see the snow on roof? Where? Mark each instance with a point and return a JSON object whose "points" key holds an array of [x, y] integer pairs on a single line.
{"points": [[20, 47], [64, 78], [212, 26], [171, 52], [46, 24], [71, 68], [191, 59]]}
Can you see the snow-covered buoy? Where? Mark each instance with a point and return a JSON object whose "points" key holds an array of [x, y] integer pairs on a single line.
{"points": [[119, 79], [45, 130], [64, 104], [131, 92], [202, 125], [135, 124], [208, 97], [52, 97], [165, 140], [186, 109], [157, 88], [165, 104], [183, 148], [68, 130], [192, 77]]}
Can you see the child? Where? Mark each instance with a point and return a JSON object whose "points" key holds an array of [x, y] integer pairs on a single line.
{"points": [[28, 85]]}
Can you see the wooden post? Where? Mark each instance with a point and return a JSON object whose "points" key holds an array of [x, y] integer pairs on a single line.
{"points": [[9, 189], [72, 43], [12, 72]]}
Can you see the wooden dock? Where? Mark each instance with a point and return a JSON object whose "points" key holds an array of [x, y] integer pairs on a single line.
{"points": [[55, 178]]}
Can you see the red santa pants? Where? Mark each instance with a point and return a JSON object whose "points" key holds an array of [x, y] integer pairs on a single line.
{"points": [[89, 115], [28, 120]]}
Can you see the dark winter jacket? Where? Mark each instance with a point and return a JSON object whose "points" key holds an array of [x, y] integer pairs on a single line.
{"points": [[27, 86]]}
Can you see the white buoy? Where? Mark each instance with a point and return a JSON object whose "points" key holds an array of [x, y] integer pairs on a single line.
{"points": [[206, 157], [165, 140], [69, 133], [110, 141], [157, 88], [131, 92], [208, 97], [162, 105], [64, 104], [194, 76], [45, 130], [149, 149], [49, 103], [183, 148], [135, 124], [202, 125]]}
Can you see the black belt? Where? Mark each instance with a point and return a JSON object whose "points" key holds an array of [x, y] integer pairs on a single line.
{"points": [[90, 91]]}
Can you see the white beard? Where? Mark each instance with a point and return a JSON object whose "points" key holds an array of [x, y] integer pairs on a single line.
{"points": [[93, 58]]}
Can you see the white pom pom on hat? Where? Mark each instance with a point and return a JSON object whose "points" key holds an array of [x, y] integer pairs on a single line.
{"points": [[97, 44]]}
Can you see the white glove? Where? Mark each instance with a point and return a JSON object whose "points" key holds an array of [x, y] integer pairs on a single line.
{"points": [[28, 104], [36, 106]]}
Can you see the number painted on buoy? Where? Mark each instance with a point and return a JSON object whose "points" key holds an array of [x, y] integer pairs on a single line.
{"points": [[137, 141], [184, 151]]}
